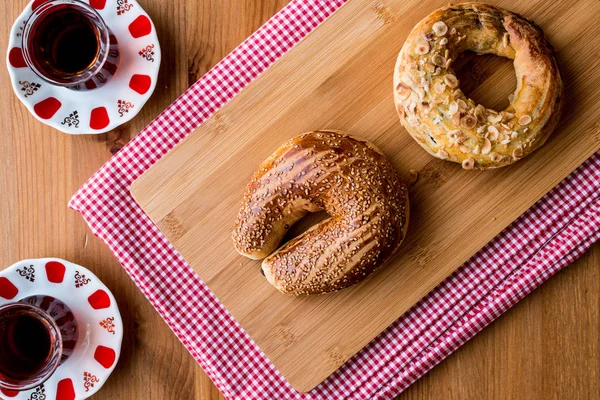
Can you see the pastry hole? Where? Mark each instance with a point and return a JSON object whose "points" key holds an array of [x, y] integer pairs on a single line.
{"points": [[310, 220], [487, 79]]}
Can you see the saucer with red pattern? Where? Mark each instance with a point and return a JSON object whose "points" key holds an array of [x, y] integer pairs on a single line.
{"points": [[74, 296], [109, 99]]}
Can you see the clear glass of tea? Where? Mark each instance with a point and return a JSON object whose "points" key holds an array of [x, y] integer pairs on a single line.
{"points": [[65, 42], [30, 346]]}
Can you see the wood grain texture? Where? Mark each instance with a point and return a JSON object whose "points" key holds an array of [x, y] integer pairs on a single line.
{"points": [[533, 346], [194, 193]]}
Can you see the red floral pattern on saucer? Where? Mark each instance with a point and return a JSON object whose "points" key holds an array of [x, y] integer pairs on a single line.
{"points": [[96, 352], [109, 99]]}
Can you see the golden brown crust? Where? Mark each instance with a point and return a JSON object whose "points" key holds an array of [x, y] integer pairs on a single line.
{"points": [[449, 125], [323, 170]]}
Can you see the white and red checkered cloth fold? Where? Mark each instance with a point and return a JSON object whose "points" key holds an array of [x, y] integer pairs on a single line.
{"points": [[553, 233]]}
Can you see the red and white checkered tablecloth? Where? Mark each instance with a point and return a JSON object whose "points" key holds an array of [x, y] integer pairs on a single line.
{"points": [[553, 233]]}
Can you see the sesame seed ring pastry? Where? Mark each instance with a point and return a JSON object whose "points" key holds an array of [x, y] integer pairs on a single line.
{"points": [[451, 126], [322, 170]]}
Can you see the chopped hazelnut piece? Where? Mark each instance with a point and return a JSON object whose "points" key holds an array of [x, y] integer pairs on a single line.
{"points": [[487, 146], [518, 152], [440, 28], [468, 121], [438, 60], [525, 120], [469, 163], [439, 87], [456, 118], [403, 91], [451, 80], [495, 157], [422, 47]]}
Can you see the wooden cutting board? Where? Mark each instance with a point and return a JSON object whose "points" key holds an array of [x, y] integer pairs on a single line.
{"points": [[340, 77]]}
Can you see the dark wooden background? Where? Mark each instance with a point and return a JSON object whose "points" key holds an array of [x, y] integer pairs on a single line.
{"points": [[547, 347]]}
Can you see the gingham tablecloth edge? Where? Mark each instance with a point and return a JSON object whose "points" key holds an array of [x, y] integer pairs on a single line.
{"points": [[457, 334]]}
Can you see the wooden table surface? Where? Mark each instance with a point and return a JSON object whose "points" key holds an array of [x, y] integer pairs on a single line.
{"points": [[547, 347]]}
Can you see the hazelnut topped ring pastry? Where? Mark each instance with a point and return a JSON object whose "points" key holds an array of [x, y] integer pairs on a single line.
{"points": [[323, 170], [451, 126]]}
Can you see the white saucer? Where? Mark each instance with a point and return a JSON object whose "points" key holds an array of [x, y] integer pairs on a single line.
{"points": [[108, 106], [98, 320]]}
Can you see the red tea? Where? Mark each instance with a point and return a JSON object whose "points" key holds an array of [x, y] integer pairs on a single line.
{"points": [[26, 343], [64, 42]]}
